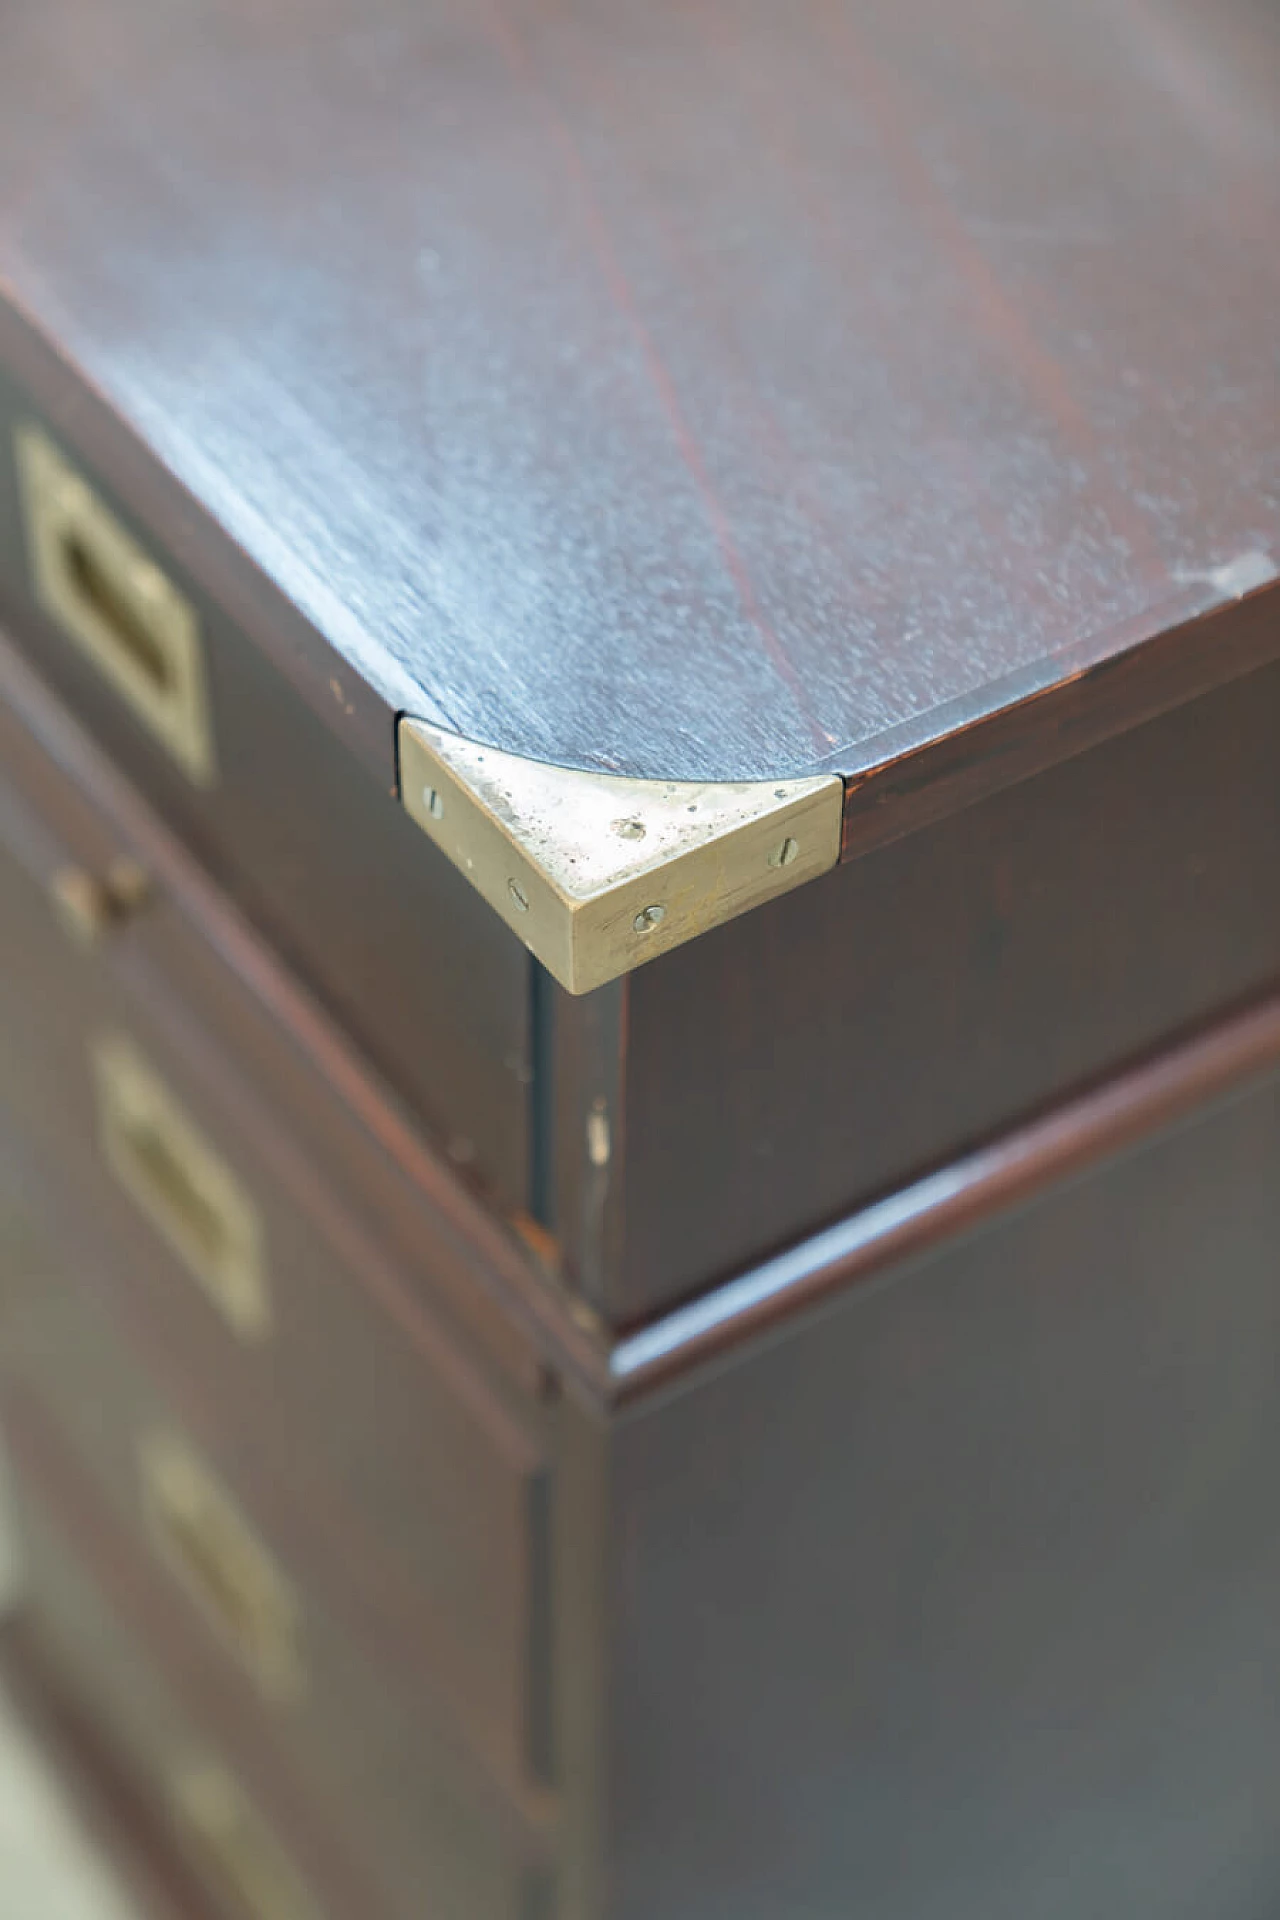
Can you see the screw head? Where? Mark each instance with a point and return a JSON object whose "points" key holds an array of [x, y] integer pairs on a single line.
{"points": [[433, 801], [783, 856], [519, 896], [648, 918], [629, 829]]}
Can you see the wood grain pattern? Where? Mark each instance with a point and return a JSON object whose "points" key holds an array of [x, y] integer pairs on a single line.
{"points": [[418, 1481], [61, 801], [959, 1597], [826, 1049], [687, 392], [151, 1689], [316, 850], [353, 1743], [959, 1198]]}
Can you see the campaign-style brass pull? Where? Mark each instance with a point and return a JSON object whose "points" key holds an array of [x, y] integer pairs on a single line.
{"points": [[111, 598], [206, 1542], [184, 1187], [234, 1848]]}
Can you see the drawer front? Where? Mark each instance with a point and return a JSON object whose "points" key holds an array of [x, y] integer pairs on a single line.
{"points": [[277, 1314], [90, 843], [307, 837], [208, 1576], [257, 1874]]}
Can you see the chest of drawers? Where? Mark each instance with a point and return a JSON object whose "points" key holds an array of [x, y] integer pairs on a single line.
{"points": [[639, 674]]}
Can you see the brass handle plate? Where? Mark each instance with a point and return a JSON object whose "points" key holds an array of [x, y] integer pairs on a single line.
{"points": [[103, 590], [233, 1846], [206, 1542], [184, 1187]]}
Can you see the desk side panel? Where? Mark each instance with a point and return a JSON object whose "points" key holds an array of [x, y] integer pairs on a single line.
{"points": [[784, 1070], [962, 1597]]}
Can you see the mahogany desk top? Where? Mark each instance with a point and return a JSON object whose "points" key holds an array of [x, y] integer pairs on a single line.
{"points": [[688, 392]]}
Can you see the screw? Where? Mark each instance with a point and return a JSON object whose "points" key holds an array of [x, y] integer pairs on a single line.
{"points": [[649, 918], [519, 896], [629, 829], [433, 801], [783, 856]]}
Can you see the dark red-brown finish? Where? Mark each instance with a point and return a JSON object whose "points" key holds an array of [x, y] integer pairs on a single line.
{"points": [[62, 804], [99, 1614], [785, 1069], [684, 390], [955, 1201], [959, 1596], [890, 390], [418, 1482], [687, 391], [288, 826], [356, 1741]]}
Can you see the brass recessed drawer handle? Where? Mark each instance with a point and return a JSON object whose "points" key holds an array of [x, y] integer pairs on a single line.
{"points": [[234, 1848], [94, 579], [209, 1546], [183, 1185]]}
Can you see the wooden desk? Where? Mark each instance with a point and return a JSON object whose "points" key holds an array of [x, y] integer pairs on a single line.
{"points": [[637, 819]]}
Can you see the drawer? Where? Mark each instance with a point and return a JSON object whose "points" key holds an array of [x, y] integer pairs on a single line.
{"points": [[276, 802], [224, 1610], [81, 831], [227, 1249], [250, 1868]]}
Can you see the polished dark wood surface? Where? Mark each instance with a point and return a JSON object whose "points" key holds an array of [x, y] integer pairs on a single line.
{"points": [[785, 1070], [359, 1746], [156, 1694], [959, 1199], [317, 850], [341, 1131], [153, 1694], [792, 1433], [902, 1585], [683, 392], [958, 1598], [410, 1452], [1091, 582], [866, 1569]]}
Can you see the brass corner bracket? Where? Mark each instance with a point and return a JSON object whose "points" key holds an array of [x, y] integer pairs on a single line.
{"points": [[597, 873]]}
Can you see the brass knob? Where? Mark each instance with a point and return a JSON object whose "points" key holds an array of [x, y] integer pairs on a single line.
{"points": [[89, 905]]}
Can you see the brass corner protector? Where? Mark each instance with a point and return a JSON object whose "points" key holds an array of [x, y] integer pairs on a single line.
{"points": [[597, 873]]}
